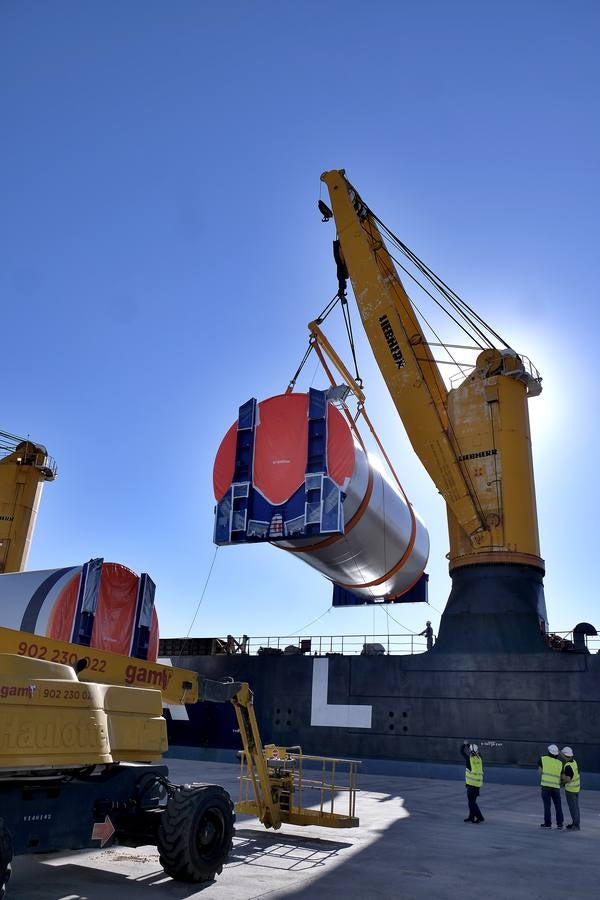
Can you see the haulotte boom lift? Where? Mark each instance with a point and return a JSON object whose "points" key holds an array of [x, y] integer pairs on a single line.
{"points": [[473, 440], [82, 734], [79, 762]]}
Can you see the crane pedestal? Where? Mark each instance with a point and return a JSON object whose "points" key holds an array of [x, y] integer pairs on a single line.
{"points": [[494, 608]]}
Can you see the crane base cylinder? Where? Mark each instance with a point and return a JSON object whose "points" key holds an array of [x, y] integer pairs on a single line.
{"points": [[494, 608]]}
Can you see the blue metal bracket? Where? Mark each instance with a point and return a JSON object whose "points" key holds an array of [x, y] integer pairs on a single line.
{"points": [[87, 602], [144, 605], [416, 594], [244, 515], [231, 513]]}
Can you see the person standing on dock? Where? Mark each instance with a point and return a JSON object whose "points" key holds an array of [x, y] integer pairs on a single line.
{"points": [[428, 633], [473, 780], [572, 783], [550, 768]]}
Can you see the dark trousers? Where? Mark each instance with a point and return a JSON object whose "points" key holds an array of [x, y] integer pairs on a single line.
{"points": [[549, 795], [472, 795], [573, 801]]}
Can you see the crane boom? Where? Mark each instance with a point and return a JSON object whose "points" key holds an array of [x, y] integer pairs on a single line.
{"points": [[402, 352], [473, 440]]}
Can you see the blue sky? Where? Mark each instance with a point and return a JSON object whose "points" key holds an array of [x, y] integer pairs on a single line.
{"points": [[162, 254]]}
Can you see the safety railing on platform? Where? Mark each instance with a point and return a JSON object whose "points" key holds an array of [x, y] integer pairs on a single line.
{"points": [[308, 790]]}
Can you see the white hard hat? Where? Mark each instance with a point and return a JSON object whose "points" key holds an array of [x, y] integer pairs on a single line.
{"points": [[567, 751], [553, 749], [473, 748]]}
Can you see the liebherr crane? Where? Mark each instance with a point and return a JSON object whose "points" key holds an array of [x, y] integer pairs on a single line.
{"points": [[473, 440]]}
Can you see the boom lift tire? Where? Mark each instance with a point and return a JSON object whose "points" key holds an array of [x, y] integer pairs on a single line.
{"points": [[6, 855], [195, 832]]}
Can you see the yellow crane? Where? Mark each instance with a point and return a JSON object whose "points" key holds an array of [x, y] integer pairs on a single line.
{"points": [[24, 467], [473, 440]]}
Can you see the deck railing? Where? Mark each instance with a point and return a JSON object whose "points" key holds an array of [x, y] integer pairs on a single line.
{"points": [[347, 644], [592, 643], [322, 644]]}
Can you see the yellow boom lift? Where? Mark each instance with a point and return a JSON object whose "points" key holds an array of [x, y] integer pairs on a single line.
{"points": [[71, 748]]}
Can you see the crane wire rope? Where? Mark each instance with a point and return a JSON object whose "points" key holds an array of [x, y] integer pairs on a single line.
{"points": [[312, 380], [451, 296], [390, 616], [304, 627], [186, 639], [387, 621], [450, 428], [429, 294], [438, 611], [348, 322], [419, 311], [320, 318], [442, 400]]}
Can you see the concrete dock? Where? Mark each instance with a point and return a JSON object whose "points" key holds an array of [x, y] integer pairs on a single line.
{"points": [[411, 843]]}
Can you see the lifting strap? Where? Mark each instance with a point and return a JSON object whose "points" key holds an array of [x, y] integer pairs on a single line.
{"points": [[351, 421]]}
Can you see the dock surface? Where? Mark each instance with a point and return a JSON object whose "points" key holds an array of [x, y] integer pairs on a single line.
{"points": [[412, 843]]}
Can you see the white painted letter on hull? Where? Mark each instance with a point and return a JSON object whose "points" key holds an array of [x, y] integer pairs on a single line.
{"points": [[341, 715]]}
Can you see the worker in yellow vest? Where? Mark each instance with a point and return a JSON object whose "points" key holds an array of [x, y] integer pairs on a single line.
{"points": [[550, 767], [473, 780], [571, 780]]}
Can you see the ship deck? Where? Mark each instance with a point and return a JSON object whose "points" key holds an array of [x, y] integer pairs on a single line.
{"points": [[412, 842]]}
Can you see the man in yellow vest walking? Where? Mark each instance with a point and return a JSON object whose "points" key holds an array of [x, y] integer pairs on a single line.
{"points": [[473, 780], [550, 767], [571, 779]]}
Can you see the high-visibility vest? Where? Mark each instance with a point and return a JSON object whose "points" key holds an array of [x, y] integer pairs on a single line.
{"points": [[551, 771], [474, 775], [574, 785]]}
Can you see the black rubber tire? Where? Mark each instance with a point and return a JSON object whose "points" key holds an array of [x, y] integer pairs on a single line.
{"points": [[6, 855], [195, 832]]}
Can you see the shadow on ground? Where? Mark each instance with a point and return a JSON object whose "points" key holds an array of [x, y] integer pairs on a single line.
{"points": [[283, 851]]}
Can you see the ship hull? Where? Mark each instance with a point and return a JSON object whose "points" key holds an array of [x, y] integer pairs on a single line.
{"points": [[409, 707]]}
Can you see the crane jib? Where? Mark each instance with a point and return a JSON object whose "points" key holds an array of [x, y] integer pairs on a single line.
{"points": [[474, 438]]}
